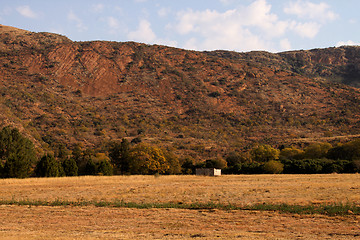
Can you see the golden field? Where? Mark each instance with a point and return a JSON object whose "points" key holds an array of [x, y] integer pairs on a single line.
{"points": [[90, 222]]}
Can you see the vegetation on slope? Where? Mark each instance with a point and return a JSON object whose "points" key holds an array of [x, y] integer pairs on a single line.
{"points": [[63, 93]]}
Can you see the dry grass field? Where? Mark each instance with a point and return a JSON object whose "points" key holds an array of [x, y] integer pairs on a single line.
{"points": [[90, 222]]}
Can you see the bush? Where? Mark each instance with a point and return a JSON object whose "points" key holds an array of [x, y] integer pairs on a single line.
{"points": [[173, 161], [264, 153], [291, 153], [48, 166], [119, 155], [216, 163], [104, 168], [188, 167], [17, 153], [146, 159], [273, 167], [90, 168], [317, 150], [248, 168], [70, 167]]}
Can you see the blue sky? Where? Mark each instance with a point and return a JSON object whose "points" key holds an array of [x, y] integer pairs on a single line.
{"points": [[239, 25]]}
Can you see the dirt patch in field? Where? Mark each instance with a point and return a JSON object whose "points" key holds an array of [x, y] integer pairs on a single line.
{"points": [[22, 222]]}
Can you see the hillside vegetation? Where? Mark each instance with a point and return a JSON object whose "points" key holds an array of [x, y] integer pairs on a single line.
{"points": [[200, 104]]}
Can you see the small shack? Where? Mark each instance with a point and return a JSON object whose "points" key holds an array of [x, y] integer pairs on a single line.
{"points": [[208, 172]]}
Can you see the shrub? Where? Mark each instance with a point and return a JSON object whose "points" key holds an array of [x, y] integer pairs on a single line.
{"points": [[70, 167], [188, 167], [317, 150], [146, 159], [90, 168], [17, 153], [248, 168], [104, 168], [216, 163], [48, 166], [173, 161], [264, 153], [291, 153], [274, 167], [119, 155]]}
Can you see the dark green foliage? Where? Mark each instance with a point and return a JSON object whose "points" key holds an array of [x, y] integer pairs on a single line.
{"points": [[70, 167], [174, 164], [119, 155], [273, 167], [83, 159], [90, 168], [248, 168], [311, 166], [317, 150], [48, 166], [348, 151], [17, 154], [235, 158], [188, 167], [218, 163], [104, 168]]}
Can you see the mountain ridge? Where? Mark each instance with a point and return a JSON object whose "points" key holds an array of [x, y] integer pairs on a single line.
{"points": [[199, 103]]}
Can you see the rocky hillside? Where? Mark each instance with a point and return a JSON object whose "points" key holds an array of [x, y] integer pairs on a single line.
{"points": [[198, 103], [340, 65]]}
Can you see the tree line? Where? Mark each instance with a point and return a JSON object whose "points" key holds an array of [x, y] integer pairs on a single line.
{"points": [[19, 159]]}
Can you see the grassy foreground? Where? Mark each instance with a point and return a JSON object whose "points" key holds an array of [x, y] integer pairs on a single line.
{"points": [[333, 194], [181, 207], [326, 209]]}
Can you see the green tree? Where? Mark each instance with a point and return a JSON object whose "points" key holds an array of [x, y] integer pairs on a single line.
{"points": [[317, 150], [48, 166], [273, 167], [219, 163], [17, 153], [291, 153], [237, 157], [188, 166], [70, 167], [173, 161], [146, 159], [90, 167], [264, 153], [104, 168], [119, 155]]}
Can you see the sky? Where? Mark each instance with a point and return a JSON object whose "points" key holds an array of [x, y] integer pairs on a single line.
{"points": [[235, 25]]}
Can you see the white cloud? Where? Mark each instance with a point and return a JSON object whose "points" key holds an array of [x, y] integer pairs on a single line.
{"points": [[285, 44], [244, 28], [26, 11], [347, 43], [306, 30], [98, 8], [164, 12], [307, 10], [144, 33], [251, 27], [113, 24], [79, 23]]}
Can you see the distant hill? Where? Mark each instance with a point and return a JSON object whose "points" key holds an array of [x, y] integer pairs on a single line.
{"points": [[202, 104]]}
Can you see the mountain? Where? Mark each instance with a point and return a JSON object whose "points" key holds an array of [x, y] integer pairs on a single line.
{"points": [[202, 104]]}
